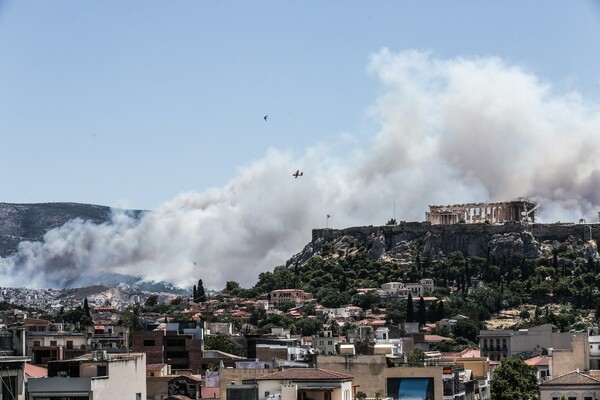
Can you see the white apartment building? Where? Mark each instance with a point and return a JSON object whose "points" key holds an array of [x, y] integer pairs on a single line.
{"points": [[93, 376], [401, 290]]}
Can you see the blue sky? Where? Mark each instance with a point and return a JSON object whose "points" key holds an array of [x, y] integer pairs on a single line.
{"points": [[130, 103], [387, 106]]}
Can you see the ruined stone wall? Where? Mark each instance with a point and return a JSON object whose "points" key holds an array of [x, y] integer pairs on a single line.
{"points": [[470, 239], [474, 213], [561, 232]]}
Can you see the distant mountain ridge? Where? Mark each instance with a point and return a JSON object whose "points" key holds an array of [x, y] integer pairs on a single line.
{"points": [[20, 222], [30, 222]]}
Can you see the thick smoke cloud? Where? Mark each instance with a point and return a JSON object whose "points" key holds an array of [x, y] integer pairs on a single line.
{"points": [[451, 131]]}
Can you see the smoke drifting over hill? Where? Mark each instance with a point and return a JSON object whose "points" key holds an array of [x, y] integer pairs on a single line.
{"points": [[451, 131]]}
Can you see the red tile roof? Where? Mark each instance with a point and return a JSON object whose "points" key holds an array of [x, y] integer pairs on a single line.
{"points": [[572, 378], [33, 371], [155, 367], [435, 338], [538, 361], [466, 353], [210, 392], [306, 374]]}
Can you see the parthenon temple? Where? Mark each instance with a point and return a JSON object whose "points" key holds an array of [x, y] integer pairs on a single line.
{"points": [[521, 210]]}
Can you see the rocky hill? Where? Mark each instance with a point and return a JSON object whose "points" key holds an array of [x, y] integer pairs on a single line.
{"points": [[401, 243]]}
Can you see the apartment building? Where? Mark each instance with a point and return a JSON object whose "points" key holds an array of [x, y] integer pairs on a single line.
{"points": [[99, 375], [280, 297], [499, 343], [182, 348]]}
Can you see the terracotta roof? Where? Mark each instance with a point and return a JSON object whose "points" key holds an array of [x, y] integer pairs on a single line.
{"points": [[34, 321], [466, 353], [435, 338], [539, 361], [155, 367], [34, 371], [572, 378], [306, 374], [195, 378], [210, 392]]}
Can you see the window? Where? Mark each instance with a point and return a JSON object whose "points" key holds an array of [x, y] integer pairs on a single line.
{"points": [[176, 342], [36, 343], [138, 396], [588, 398], [149, 342], [53, 343], [69, 344], [330, 342], [101, 370]]}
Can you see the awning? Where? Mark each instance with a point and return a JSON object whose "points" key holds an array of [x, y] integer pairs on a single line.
{"points": [[318, 389], [413, 389]]}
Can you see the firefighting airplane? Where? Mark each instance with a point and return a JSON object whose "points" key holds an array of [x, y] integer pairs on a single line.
{"points": [[297, 174]]}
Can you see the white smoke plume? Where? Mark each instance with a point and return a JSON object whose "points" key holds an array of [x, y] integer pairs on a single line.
{"points": [[451, 131]]}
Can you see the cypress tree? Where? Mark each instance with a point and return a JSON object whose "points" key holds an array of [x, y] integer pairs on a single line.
{"points": [[194, 294], [410, 309], [441, 312], [422, 316], [86, 307], [200, 293]]}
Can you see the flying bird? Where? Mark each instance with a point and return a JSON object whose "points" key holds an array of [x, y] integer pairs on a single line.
{"points": [[297, 174], [266, 117]]}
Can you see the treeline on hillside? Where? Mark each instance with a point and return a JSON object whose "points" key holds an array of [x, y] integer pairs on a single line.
{"points": [[565, 278]]}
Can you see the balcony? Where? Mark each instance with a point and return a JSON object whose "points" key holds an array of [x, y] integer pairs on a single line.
{"points": [[107, 335]]}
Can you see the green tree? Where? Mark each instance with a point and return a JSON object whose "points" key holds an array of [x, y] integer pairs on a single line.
{"points": [[151, 301], [440, 312], [86, 307], [514, 379], [308, 326], [410, 309], [221, 343], [77, 317], [422, 311], [200, 292], [415, 356], [466, 328], [231, 287]]}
